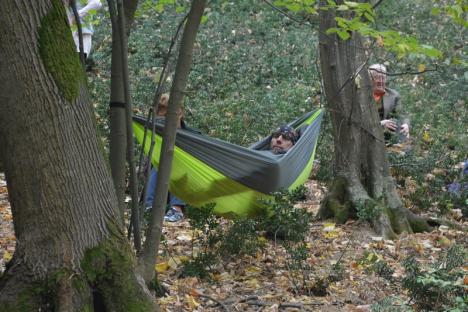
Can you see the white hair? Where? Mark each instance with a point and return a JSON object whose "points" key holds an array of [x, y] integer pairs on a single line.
{"points": [[379, 68]]}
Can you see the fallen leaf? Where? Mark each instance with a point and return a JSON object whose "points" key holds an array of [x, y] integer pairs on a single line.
{"points": [[7, 256], [192, 303], [161, 267]]}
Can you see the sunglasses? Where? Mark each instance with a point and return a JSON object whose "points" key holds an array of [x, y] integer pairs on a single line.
{"points": [[287, 135]]}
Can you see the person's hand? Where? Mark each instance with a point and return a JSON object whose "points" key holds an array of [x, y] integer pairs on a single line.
{"points": [[405, 130], [388, 124]]}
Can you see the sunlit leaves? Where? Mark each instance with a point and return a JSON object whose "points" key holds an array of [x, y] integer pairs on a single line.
{"points": [[296, 6], [457, 12], [358, 17]]}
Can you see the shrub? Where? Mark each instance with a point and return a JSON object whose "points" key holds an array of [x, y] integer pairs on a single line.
{"points": [[441, 287]]}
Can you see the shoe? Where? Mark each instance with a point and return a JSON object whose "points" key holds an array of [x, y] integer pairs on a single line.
{"points": [[173, 215]]}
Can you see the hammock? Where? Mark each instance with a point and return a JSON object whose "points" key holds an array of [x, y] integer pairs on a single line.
{"points": [[208, 170]]}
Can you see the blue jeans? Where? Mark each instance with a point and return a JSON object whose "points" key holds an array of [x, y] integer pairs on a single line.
{"points": [[174, 201]]}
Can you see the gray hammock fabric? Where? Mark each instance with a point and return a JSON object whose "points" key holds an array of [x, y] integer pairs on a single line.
{"points": [[255, 166]]}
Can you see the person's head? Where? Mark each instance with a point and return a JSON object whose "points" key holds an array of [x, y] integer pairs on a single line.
{"points": [[283, 139], [161, 109], [378, 74]]}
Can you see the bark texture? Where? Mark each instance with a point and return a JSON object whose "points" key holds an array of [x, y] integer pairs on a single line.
{"points": [[363, 179], [71, 254]]}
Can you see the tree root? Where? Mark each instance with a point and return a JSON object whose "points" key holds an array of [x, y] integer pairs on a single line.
{"points": [[440, 221], [387, 214]]}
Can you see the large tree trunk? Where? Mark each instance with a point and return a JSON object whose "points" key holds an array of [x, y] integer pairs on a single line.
{"points": [[363, 180], [71, 254]]}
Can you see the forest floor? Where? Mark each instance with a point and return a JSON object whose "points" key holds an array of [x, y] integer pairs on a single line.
{"points": [[265, 282]]}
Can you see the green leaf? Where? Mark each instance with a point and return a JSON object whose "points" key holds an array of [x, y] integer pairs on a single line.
{"points": [[435, 11], [344, 35], [159, 7], [294, 7], [204, 19], [342, 7], [369, 17], [352, 4]]}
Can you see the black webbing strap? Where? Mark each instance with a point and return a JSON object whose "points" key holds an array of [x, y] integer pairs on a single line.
{"points": [[117, 104]]}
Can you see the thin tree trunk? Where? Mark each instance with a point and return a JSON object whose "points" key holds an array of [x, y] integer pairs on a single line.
{"points": [[147, 258], [118, 118], [363, 177], [129, 129], [71, 254]]}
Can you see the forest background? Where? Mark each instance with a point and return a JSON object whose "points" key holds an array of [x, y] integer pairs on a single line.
{"points": [[255, 68]]}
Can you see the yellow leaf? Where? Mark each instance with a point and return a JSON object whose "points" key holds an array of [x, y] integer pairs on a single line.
{"points": [[421, 68], [253, 270], [193, 304], [333, 234], [380, 41], [327, 227], [161, 267], [444, 241], [7, 256], [252, 283], [174, 262], [426, 137]]}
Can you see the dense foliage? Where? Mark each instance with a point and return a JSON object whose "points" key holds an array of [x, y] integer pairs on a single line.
{"points": [[255, 68]]}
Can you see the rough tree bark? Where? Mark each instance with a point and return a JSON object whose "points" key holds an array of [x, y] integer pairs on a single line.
{"points": [[71, 253], [363, 180], [147, 259]]}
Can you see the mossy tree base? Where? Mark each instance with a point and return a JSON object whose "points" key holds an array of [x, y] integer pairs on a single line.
{"points": [[387, 214], [105, 282]]}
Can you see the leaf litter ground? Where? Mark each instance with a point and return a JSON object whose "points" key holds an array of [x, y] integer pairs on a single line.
{"points": [[264, 282]]}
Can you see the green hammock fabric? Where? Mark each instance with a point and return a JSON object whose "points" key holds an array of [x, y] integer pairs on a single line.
{"points": [[207, 170]]}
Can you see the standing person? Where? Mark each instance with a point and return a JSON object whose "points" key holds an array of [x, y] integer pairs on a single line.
{"points": [[175, 213], [85, 8], [388, 101]]}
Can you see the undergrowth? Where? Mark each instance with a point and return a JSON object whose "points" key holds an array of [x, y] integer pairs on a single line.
{"points": [[215, 241]]}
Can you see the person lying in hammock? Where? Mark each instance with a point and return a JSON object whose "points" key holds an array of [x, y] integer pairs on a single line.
{"points": [[175, 213], [283, 139]]}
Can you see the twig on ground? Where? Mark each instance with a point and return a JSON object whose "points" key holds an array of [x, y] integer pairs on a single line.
{"points": [[218, 303], [260, 303], [249, 298], [291, 305]]}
